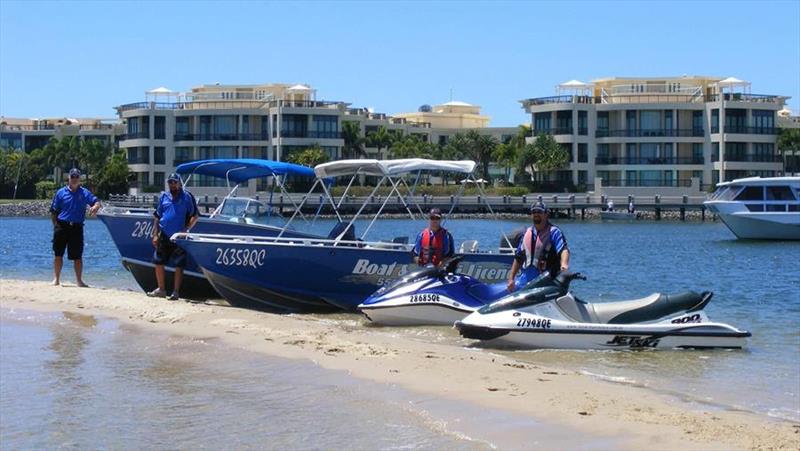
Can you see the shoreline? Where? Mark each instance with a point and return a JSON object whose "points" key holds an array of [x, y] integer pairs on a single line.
{"points": [[635, 417]]}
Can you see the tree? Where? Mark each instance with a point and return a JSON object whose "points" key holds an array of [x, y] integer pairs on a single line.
{"points": [[380, 138], [310, 157], [95, 154], [114, 177], [353, 141], [545, 154], [410, 146], [788, 142], [507, 156], [483, 147]]}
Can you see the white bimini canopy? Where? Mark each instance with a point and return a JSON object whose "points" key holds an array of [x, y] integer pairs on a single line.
{"points": [[391, 167]]}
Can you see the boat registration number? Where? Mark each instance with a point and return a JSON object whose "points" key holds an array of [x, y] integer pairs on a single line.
{"points": [[424, 298], [241, 257], [534, 323], [142, 229]]}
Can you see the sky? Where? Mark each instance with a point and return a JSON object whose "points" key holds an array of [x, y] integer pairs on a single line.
{"points": [[80, 59]]}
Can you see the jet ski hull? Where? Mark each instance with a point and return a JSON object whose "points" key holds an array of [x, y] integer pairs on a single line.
{"points": [[442, 312]]}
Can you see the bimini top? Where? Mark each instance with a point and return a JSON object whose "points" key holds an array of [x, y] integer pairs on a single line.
{"points": [[240, 170], [391, 167]]}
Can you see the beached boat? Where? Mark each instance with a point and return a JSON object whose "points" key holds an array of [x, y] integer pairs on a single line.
{"points": [[338, 272], [759, 208], [132, 228]]}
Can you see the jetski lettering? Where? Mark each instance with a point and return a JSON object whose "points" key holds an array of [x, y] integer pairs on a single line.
{"points": [[687, 319], [241, 257], [535, 323], [424, 298], [633, 341], [483, 273]]}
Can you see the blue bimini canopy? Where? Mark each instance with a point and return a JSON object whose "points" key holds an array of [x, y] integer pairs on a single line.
{"points": [[240, 170]]}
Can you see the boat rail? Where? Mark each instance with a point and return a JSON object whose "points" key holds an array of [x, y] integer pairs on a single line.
{"points": [[289, 241]]}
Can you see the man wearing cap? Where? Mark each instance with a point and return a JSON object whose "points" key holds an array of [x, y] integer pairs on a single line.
{"points": [[434, 245], [176, 212], [68, 211], [542, 248]]}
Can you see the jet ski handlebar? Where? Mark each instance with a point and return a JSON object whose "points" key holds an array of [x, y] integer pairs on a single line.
{"points": [[565, 277]]}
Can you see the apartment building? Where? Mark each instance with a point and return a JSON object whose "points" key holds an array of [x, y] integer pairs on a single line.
{"points": [[242, 121], [30, 134], [686, 132]]}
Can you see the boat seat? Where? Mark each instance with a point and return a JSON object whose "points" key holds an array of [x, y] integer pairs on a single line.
{"points": [[468, 246], [488, 292], [649, 308]]}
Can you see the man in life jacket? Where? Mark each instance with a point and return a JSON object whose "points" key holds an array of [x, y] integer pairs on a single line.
{"points": [[542, 248], [434, 245]]}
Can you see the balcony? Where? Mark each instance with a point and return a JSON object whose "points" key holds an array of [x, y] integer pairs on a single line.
{"points": [[220, 137], [305, 104], [137, 135], [740, 129], [97, 127], [325, 135], [23, 128], [561, 99], [741, 97], [553, 131], [151, 106], [648, 160], [755, 158], [648, 182], [649, 133]]}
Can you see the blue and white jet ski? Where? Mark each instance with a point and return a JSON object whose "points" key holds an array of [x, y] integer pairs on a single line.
{"points": [[547, 315], [434, 296]]}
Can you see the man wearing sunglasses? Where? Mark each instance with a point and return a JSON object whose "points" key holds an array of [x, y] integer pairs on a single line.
{"points": [[68, 211], [434, 245], [542, 248], [176, 212]]}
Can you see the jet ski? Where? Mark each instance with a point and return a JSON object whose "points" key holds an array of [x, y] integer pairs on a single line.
{"points": [[547, 315], [433, 296]]}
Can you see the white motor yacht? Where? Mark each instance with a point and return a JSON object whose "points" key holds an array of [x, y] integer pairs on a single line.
{"points": [[759, 208]]}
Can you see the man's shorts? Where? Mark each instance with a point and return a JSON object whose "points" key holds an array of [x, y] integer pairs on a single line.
{"points": [[166, 250], [68, 236]]}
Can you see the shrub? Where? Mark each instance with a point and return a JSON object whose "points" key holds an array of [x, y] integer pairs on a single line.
{"points": [[46, 189]]}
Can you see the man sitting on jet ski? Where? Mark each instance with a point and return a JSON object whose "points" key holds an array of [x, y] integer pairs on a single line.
{"points": [[542, 248], [434, 245]]}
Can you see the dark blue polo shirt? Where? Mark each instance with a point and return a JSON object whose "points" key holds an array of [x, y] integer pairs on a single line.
{"points": [[71, 206], [174, 214]]}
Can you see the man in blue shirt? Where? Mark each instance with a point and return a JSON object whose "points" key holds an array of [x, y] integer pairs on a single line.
{"points": [[434, 245], [542, 248], [176, 212], [68, 211]]}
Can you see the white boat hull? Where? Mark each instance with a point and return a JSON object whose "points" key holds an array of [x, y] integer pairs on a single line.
{"points": [[551, 340], [418, 314], [763, 226]]}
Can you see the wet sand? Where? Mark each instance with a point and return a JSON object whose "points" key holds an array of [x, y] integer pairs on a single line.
{"points": [[630, 417]]}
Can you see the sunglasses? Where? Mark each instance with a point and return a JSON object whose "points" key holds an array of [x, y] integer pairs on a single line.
{"points": [[74, 176], [436, 219], [172, 182]]}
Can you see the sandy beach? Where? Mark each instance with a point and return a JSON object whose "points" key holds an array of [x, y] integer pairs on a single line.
{"points": [[633, 417]]}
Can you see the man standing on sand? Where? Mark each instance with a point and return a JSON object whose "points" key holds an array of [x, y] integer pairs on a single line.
{"points": [[176, 212], [542, 248], [68, 211]]}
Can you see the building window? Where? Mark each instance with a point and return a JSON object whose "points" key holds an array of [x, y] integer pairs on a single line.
{"points": [[158, 155], [650, 120], [541, 123], [714, 151], [583, 153], [159, 127], [582, 177], [583, 123], [603, 150], [294, 126], [630, 119], [182, 126], [735, 120], [697, 153], [138, 155], [697, 123], [183, 155], [209, 153], [630, 152], [567, 147], [715, 120], [158, 179], [564, 122], [668, 119], [602, 120], [325, 127], [443, 140], [763, 121], [139, 127]]}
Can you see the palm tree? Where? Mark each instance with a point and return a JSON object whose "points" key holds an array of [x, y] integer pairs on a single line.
{"points": [[788, 142], [506, 155], [353, 141], [380, 138], [545, 154], [480, 148], [310, 157]]}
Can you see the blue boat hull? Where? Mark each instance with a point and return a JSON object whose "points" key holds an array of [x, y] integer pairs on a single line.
{"points": [[132, 236], [293, 277]]}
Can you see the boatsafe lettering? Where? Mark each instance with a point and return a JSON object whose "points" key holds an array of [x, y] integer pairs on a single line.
{"points": [[364, 266], [241, 257], [534, 323], [142, 229], [426, 297], [633, 341]]}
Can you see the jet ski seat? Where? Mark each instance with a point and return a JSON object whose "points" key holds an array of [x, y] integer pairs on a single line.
{"points": [[646, 309], [488, 292]]}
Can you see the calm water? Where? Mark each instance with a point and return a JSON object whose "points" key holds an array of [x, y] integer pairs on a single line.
{"points": [[756, 286]]}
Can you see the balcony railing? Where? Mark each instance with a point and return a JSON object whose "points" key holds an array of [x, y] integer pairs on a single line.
{"points": [[7, 127], [561, 99], [648, 182], [754, 158], [137, 135], [740, 129], [304, 103], [553, 131], [647, 133], [742, 97], [219, 137], [648, 160], [324, 135], [96, 126]]}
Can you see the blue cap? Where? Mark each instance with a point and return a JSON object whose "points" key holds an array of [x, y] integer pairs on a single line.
{"points": [[174, 176], [74, 172], [436, 213], [539, 207]]}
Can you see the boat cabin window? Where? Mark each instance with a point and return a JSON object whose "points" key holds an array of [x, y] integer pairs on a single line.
{"points": [[779, 193], [751, 193], [241, 207], [726, 193]]}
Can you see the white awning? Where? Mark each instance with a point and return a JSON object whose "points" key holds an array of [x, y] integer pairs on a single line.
{"points": [[300, 87], [161, 90], [391, 167], [573, 84], [732, 81]]}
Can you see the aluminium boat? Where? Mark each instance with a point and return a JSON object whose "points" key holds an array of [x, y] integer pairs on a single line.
{"points": [[759, 208], [290, 274], [131, 229]]}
